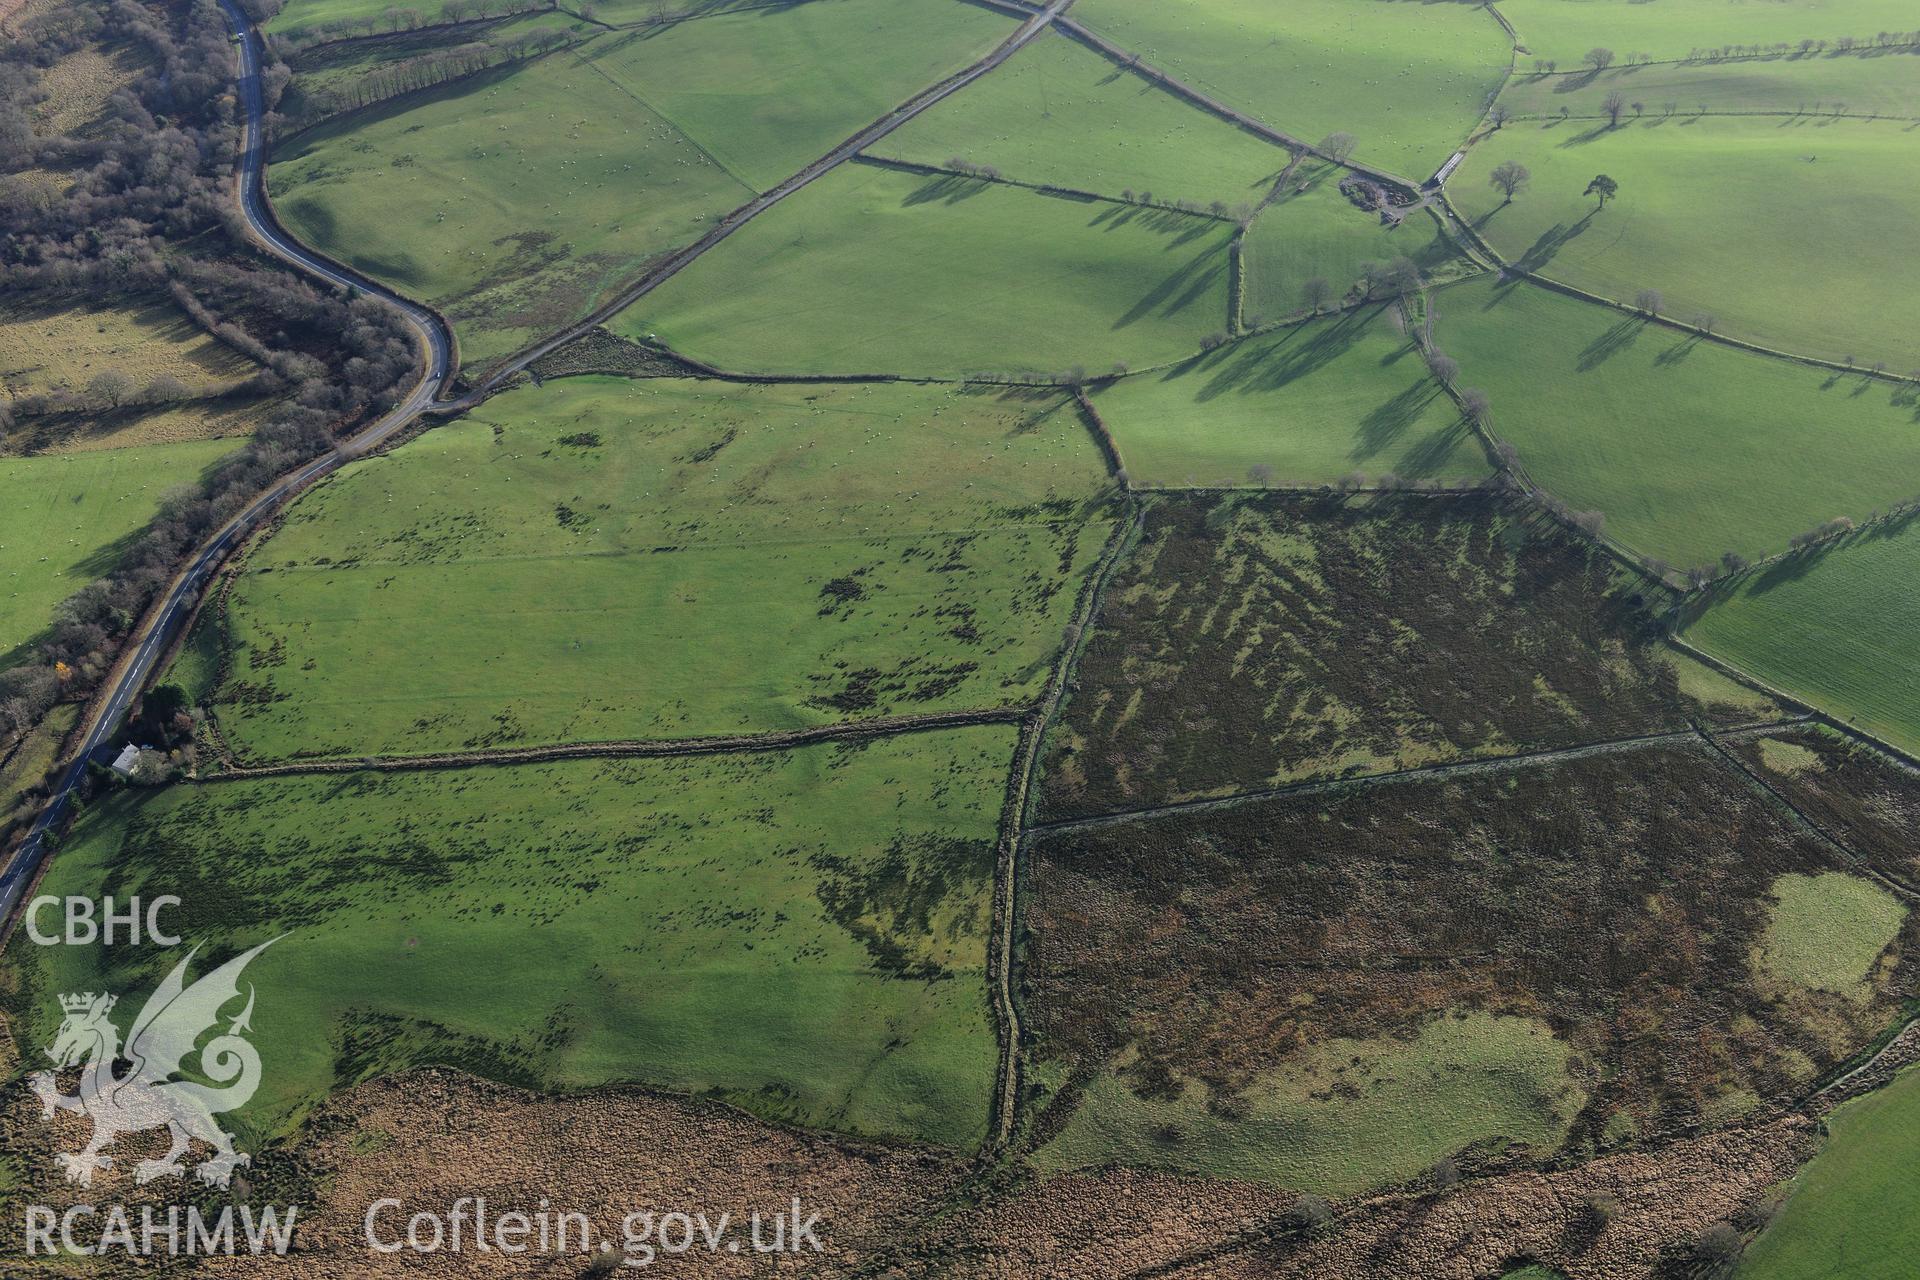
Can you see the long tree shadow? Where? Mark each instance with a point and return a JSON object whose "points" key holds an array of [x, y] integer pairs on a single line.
{"points": [[1679, 351], [1624, 333], [1179, 290], [1551, 242], [1387, 422], [1268, 365], [947, 189], [1427, 456]]}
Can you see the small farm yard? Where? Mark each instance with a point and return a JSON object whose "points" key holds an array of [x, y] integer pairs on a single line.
{"points": [[1315, 230]]}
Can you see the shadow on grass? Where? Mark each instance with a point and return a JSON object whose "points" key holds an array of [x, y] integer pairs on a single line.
{"points": [[1623, 334], [948, 189], [1186, 285], [1268, 365], [1552, 241], [1387, 422]]}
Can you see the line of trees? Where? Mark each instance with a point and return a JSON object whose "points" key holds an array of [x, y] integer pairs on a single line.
{"points": [[306, 106], [392, 19], [148, 213]]}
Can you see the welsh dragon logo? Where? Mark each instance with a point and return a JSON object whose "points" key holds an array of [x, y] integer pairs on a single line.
{"points": [[164, 1037]]}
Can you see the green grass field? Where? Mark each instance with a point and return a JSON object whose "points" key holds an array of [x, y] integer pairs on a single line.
{"points": [[1855, 1210], [1884, 83], [1303, 405], [512, 200], [1348, 1115], [803, 933], [1715, 213], [334, 66], [1408, 81], [605, 558], [1316, 231], [1690, 449], [1564, 30], [1058, 112], [1828, 930], [1836, 628], [768, 90], [872, 270], [62, 517]]}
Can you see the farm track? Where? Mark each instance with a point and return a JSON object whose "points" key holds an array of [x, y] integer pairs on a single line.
{"points": [[151, 639], [680, 259], [1233, 115], [154, 636], [1418, 773], [852, 731]]}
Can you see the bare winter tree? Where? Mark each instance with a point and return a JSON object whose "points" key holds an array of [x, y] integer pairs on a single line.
{"points": [[1338, 147], [1509, 176], [1599, 58], [1317, 293], [1615, 103], [1649, 301]]}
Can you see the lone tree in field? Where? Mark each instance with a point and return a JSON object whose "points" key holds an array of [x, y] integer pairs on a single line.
{"points": [[1616, 102], [1603, 187], [1317, 293], [1509, 176], [1338, 147], [1498, 116], [110, 388], [1599, 58], [1649, 301]]}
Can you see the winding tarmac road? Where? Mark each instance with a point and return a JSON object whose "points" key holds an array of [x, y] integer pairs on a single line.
{"points": [[176, 604]]}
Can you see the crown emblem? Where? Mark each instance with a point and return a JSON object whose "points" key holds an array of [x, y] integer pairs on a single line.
{"points": [[83, 1001]]}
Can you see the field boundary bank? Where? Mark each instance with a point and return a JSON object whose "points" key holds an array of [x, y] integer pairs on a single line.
{"points": [[287, 56], [1789, 55], [1022, 779], [1416, 773], [882, 727], [1053, 189], [671, 264], [1509, 270], [506, 65], [1906, 760], [1800, 818], [1126, 61], [1701, 115]]}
